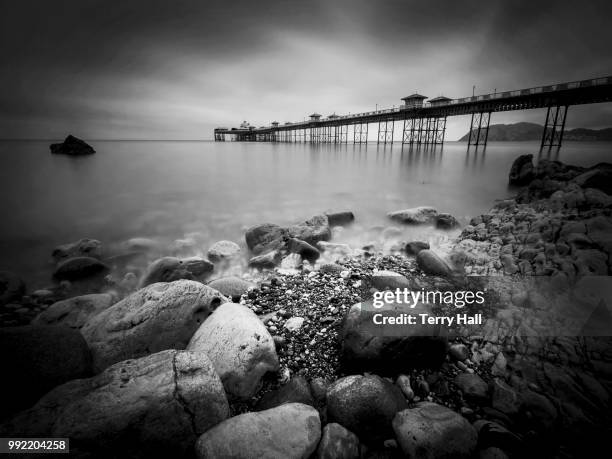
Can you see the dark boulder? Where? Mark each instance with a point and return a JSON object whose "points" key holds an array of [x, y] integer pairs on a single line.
{"points": [[414, 247], [72, 146], [76, 268], [340, 218], [12, 288], [522, 170], [312, 230], [446, 221], [265, 237], [307, 251], [600, 179], [432, 264], [295, 391]]}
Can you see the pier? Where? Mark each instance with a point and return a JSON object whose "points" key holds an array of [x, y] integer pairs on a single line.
{"points": [[423, 121]]}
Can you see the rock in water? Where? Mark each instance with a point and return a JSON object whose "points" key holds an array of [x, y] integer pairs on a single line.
{"points": [[432, 264], [35, 360], [304, 249], [600, 179], [340, 218], [338, 443], [266, 261], [239, 346], [157, 317], [389, 280], [430, 430], [72, 146], [81, 248], [414, 247], [522, 171], [12, 288], [223, 250], [389, 349], [231, 287], [75, 312], [415, 216], [292, 430], [169, 269], [156, 406], [446, 221], [365, 405], [312, 231], [77, 268], [264, 238]]}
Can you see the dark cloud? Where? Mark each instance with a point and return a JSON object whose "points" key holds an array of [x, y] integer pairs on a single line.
{"points": [[151, 69]]}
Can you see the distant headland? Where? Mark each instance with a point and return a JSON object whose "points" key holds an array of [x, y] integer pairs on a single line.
{"points": [[533, 131]]}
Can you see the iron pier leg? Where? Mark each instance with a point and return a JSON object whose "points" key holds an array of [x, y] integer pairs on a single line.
{"points": [[471, 129]]}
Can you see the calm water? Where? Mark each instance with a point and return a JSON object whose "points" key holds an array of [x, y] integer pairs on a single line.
{"points": [[209, 191]]}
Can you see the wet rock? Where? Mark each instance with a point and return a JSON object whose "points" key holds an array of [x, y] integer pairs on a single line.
{"points": [[432, 430], [366, 346], [431, 263], [338, 443], [197, 266], [522, 171], [304, 249], [266, 261], [72, 146], [35, 359], [403, 382], [290, 430], [232, 287], [157, 317], [414, 247], [472, 386], [312, 231], [223, 250], [297, 390], [77, 268], [170, 269], [81, 248], [12, 288], [600, 179], [155, 406], [340, 218], [365, 405], [415, 216], [265, 238], [446, 221], [75, 312], [239, 346], [389, 280], [492, 434]]}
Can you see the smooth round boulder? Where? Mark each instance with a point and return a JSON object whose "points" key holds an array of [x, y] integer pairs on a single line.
{"points": [[155, 406], [77, 268], [292, 430], [365, 405], [223, 250], [157, 317], [232, 287], [12, 287], [312, 230], [433, 431], [35, 359], [297, 390], [338, 443], [198, 266], [240, 347], [169, 269], [473, 388], [431, 263], [265, 237], [414, 247], [446, 221], [389, 280], [388, 348], [415, 216], [522, 171], [75, 312], [82, 248]]}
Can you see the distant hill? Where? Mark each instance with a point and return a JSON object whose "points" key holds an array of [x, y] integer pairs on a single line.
{"points": [[533, 131]]}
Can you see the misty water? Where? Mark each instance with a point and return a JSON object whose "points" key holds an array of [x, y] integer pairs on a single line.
{"points": [[206, 191]]}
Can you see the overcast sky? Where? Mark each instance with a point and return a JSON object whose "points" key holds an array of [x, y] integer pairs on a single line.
{"points": [[159, 69]]}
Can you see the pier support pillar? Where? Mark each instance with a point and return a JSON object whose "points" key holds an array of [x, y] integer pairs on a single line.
{"points": [[479, 129], [360, 133], [385, 132], [552, 136]]}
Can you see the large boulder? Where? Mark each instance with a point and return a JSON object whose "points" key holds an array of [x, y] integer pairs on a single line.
{"points": [[312, 230], [473, 387], [157, 317], [76, 268], [388, 348], [430, 430], [265, 237], [81, 248], [431, 263], [338, 443], [72, 146], [75, 312], [522, 171], [239, 346], [12, 287], [223, 251], [36, 359], [415, 216], [365, 405], [232, 287], [414, 247], [600, 179], [155, 406], [292, 430], [169, 269], [446, 221], [304, 249], [297, 390], [340, 218]]}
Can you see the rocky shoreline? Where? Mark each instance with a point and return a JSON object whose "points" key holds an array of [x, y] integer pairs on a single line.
{"points": [[287, 349]]}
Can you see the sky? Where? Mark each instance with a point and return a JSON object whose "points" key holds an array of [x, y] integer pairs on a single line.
{"points": [[153, 69]]}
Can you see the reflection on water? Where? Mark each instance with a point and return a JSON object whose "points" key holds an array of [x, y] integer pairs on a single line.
{"points": [[166, 190]]}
